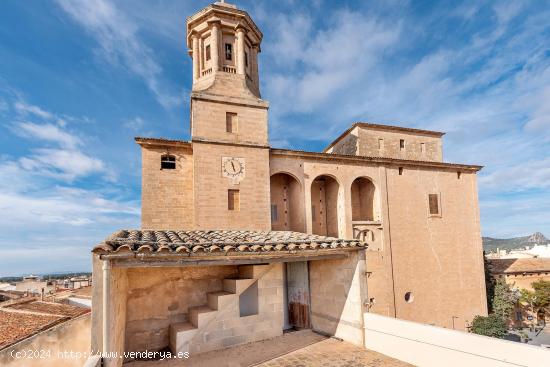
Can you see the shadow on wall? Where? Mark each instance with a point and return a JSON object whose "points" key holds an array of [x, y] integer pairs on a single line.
{"points": [[158, 298], [336, 292]]}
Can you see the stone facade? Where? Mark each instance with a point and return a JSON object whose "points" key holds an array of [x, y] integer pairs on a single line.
{"points": [[435, 258], [383, 185]]}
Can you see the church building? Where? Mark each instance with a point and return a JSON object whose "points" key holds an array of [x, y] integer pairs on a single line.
{"points": [[240, 240]]}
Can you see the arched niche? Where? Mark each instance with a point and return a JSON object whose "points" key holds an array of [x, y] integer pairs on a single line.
{"points": [[287, 203], [324, 206]]}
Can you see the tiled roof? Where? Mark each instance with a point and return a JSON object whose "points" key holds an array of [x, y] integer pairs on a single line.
{"points": [[28, 317], [50, 308], [16, 326], [510, 266], [217, 241]]}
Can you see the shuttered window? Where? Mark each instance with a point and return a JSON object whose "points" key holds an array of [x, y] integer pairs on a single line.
{"points": [[233, 200], [434, 204]]}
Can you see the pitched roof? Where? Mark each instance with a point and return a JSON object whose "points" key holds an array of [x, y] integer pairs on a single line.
{"points": [[511, 266], [218, 241], [28, 317], [370, 125]]}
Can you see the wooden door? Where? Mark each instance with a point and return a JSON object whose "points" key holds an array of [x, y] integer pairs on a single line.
{"points": [[297, 278]]}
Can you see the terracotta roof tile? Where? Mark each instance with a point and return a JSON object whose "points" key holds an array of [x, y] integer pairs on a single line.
{"points": [[16, 326], [219, 241], [50, 308], [508, 266]]}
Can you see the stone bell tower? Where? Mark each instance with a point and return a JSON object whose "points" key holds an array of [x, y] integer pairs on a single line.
{"points": [[229, 128]]}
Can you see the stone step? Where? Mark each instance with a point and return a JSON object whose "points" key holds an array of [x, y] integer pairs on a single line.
{"points": [[237, 285], [252, 271], [200, 316], [181, 335], [222, 299]]}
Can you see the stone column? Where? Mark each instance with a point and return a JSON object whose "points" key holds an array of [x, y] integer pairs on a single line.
{"points": [[215, 46], [254, 65], [240, 50], [196, 57], [106, 322]]}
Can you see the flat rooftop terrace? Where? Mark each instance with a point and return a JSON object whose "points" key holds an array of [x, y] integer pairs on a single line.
{"points": [[299, 348]]}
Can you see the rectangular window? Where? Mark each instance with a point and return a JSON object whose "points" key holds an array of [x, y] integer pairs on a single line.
{"points": [[207, 52], [231, 124], [434, 204], [233, 200], [228, 51], [167, 162], [422, 148], [401, 144], [274, 213], [458, 175], [400, 169], [518, 316], [246, 59], [380, 143]]}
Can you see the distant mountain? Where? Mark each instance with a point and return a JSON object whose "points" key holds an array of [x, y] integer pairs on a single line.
{"points": [[491, 244]]}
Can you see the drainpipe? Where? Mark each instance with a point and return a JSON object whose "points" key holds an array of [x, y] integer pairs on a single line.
{"points": [[106, 298]]}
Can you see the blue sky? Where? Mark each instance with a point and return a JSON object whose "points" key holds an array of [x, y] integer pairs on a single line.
{"points": [[80, 78]]}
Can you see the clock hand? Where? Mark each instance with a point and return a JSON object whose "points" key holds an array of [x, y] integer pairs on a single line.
{"points": [[233, 165]]}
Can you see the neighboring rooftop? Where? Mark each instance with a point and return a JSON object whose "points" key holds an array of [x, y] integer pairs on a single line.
{"points": [[219, 241], [29, 317], [516, 266]]}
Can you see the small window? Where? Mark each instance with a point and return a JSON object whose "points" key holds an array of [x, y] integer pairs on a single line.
{"points": [[422, 148], [434, 204], [228, 51], [207, 52], [401, 144], [231, 122], [409, 297], [400, 171], [458, 174], [167, 162], [380, 143], [246, 59], [274, 213], [519, 316], [233, 200]]}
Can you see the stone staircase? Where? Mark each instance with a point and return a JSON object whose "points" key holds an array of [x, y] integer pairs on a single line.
{"points": [[221, 306]]}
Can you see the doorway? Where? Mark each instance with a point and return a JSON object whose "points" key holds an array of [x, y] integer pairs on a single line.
{"points": [[297, 312]]}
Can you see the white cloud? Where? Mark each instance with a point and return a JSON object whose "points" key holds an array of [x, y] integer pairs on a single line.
{"points": [[118, 37], [25, 108], [63, 164], [534, 174], [48, 132]]}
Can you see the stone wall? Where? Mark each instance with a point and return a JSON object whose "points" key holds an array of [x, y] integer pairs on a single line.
{"points": [[337, 289], [211, 188], [227, 328], [209, 120], [158, 297], [167, 194], [436, 258], [369, 145]]}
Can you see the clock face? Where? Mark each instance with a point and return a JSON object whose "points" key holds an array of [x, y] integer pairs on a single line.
{"points": [[233, 167]]}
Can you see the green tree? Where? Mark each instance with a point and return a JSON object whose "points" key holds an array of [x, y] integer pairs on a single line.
{"points": [[537, 299], [489, 283], [504, 299], [492, 325], [542, 292]]}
